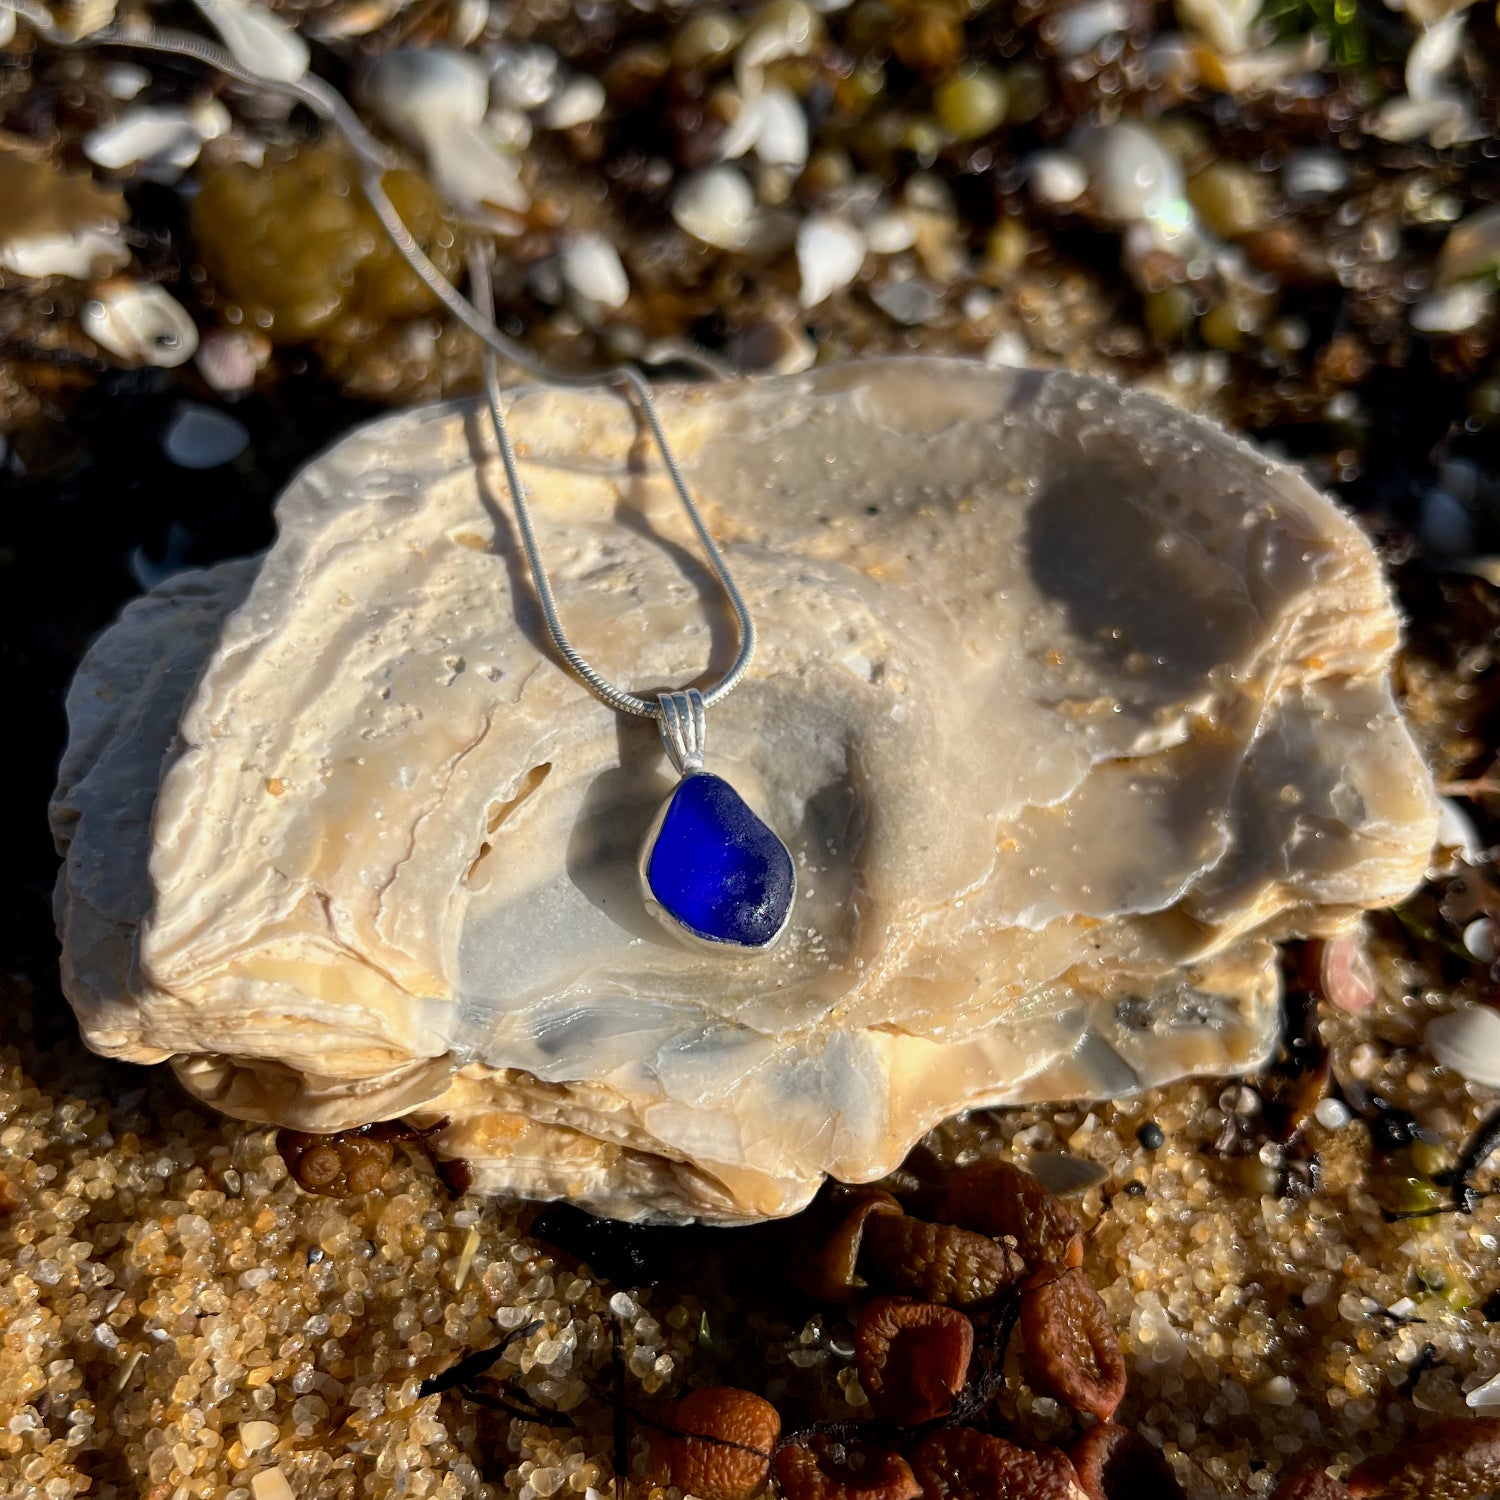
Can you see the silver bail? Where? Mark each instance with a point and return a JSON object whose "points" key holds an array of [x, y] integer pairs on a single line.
{"points": [[684, 729]]}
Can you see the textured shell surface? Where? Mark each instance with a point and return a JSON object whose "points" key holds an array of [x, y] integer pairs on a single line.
{"points": [[1067, 704]]}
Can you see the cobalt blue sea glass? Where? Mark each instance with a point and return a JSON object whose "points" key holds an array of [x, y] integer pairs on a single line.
{"points": [[717, 870]]}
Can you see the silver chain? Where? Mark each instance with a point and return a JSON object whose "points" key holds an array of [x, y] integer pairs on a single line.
{"points": [[478, 316]]}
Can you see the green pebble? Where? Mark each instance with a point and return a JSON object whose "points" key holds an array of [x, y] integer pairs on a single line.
{"points": [[971, 104]]}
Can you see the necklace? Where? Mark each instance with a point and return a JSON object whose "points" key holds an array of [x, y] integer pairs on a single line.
{"points": [[711, 871]]}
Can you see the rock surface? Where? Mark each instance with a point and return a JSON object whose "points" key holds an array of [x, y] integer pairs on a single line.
{"points": [[1067, 705]]}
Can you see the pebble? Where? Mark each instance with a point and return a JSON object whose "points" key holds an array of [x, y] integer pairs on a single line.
{"points": [[1472, 247], [165, 142], [524, 77], [123, 80], [971, 104], [1078, 29], [591, 268], [830, 252], [1063, 1174], [1468, 1041], [257, 1435], [910, 302], [1133, 176], [1455, 309], [1479, 939], [1151, 1136], [1057, 177], [717, 207], [1485, 1397], [271, 1484], [1313, 174], [230, 359], [773, 348], [1231, 199], [773, 126], [890, 234], [199, 437], [140, 322], [578, 102], [1008, 349], [1332, 1114]]}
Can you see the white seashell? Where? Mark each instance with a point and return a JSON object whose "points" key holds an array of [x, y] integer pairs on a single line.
{"points": [[1029, 868], [1057, 177], [123, 80], [1133, 176], [1480, 940], [1078, 29], [163, 141], [78, 253], [139, 322], [717, 207], [1468, 1041], [773, 125], [436, 99], [1472, 247], [1454, 309], [787, 29], [1226, 25], [258, 40], [1485, 1397], [198, 437], [591, 269], [1332, 1114], [830, 252], [1313, 174], [890, 234], [7, 25], [579, 101], [1445, 120], [1008, 348], [1433, 54], [525, 78]]}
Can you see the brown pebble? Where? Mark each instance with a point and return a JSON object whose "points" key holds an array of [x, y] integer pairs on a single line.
{"points": [[805, 1471], [1000, 1200], [1455, 1460], [1071, 1349], [1311, 1484], [936, 1262], [912, 1358], [959, 1463], [720, 1443], [929, 42], [1117, 1463]]}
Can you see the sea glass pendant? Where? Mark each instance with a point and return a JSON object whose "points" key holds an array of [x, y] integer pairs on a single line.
{"points": [[711, 871]]}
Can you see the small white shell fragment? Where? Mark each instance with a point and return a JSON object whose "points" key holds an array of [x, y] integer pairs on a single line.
{"points": [[229, 359], [1454, 309], [140, 322], [1485, 1397], [1133, 176], [788, 28], [1225, 24], [579, 101], [436, 99], [1313, 174], [1331, 1113], [1057, 177], [773, 126], [890, 234], [123, 80], [258, 40], [591, 268], [1034, 870], [525, 78], [1480, 940], [164, 141], [1468, 1041], [716, 206], [1076, 29], [1008, 348], [7, 25], [198, 437], [830, 252], [57, 223]]}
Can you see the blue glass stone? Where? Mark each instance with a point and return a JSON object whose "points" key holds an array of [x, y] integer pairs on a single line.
{"points": [[717, 870]]}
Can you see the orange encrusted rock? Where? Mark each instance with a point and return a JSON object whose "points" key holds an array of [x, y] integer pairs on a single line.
{"points": [[1071, 1349], [959, 1463], [937, 1262], [1455, 1460], [718, 1443], [805, 1471], [1117, 1463], [1311, 1484], [912, 1358], [1000, 1200]]}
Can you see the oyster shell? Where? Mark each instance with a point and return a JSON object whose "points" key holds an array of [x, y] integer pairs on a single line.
{"points": [[1068, 706]]}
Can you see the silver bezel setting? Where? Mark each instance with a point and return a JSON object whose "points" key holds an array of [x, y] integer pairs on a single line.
{"points": [[683, 933]]}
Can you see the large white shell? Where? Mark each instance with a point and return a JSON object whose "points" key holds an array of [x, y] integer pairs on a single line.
{"points": [[1067, 705]]}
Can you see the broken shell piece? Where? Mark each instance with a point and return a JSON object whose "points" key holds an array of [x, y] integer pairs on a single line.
{"points": [[57, 223], [830, 252], [717, 207], [1068, 705], [165, 142], [436, 100], [258, 40], [140, 322]]}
